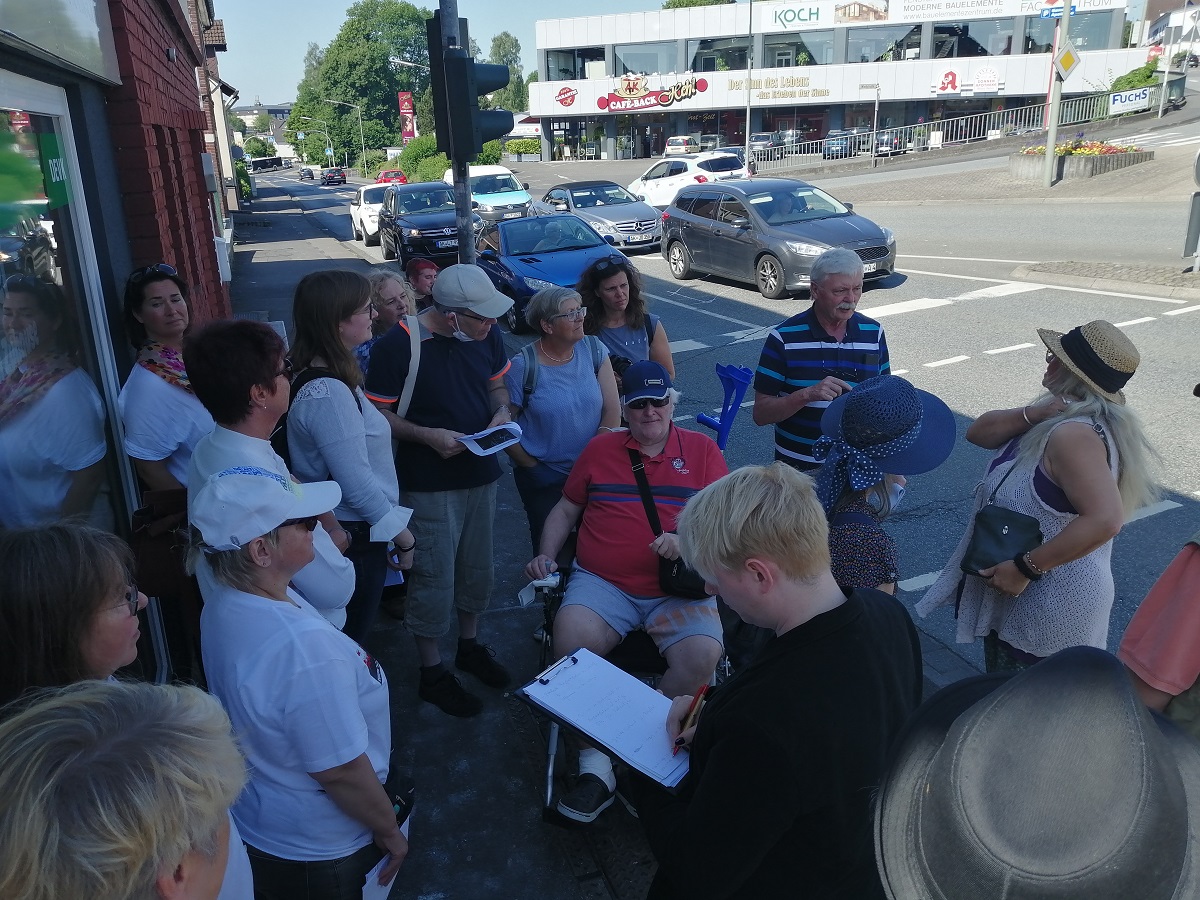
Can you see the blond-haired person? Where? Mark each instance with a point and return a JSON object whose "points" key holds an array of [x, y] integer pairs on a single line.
{"points": [[785, 757], [113, 791], [393, 300]]}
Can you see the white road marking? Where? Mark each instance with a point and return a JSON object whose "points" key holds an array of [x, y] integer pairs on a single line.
{"points": [[1137, 321], [1048, 287], [1176, 312], [1019, 262], [899, 371], [1179, 142], [946, 362], [1000, 290], [1009, 349], [705, 312], [686, 345], [919, 582], [1153, 510], [903, 306]]}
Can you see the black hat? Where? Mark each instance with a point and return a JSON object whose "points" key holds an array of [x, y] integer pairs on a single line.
{"points": [[1053, 783]]}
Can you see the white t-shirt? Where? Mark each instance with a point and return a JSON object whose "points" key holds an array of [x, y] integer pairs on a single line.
{"points": [[161, 421], [302, 697], [328, 581], [61, 433]]}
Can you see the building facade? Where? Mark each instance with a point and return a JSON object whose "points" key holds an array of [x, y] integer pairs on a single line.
{"points": [[627, 82]]}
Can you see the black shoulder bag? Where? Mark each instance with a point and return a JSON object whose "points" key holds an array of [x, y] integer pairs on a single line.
{"points": [[675, 578], [999, 534]]}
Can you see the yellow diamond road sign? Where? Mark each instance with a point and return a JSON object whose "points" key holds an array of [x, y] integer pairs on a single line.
{"points": [[1066, 61]]}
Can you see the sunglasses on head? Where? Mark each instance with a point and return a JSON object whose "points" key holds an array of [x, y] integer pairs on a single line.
{"points": [[610, 262], [23, 284], [643, 402], [145, 272], [308, 523]]}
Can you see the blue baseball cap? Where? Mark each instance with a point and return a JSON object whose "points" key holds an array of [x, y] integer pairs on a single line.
{"points": [[645, 379]]}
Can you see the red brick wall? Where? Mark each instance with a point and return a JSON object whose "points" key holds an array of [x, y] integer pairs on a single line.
{"points": [[158, 135]]}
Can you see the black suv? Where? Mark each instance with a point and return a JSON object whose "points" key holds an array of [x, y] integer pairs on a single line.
{"points": [[333, 176], [417, 221]]}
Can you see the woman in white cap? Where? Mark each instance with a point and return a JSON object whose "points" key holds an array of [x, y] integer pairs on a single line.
{"points": [[308, 704], [1078, 462]]}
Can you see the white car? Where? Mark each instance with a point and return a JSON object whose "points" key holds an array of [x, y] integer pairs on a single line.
{"points": [[659, 184], [364, 212]]}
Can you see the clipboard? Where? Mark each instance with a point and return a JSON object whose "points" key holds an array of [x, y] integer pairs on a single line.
{"points": [[611, 708]]}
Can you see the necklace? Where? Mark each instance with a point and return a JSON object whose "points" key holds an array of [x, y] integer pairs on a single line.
{"points": [[555, 358]]}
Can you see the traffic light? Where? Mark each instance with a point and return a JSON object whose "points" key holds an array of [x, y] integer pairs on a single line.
{"points": [[471, 127], [437, 76]]}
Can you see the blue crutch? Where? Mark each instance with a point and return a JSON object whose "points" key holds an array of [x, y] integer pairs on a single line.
{"points": [[735, 380]]}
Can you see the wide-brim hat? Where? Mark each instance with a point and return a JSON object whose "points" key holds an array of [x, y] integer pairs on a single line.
{"points": [[1099, 353], [1056, 782], [468, 287], [235, 506], [874, 417]]}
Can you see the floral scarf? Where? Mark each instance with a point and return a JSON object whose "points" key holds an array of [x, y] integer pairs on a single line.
{"points": [[165, 362], [28, 382]]}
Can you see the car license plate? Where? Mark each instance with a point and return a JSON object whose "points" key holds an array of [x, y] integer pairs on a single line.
{"points": [[515, 215], [636, 238], [869, 267], [450, 243]]}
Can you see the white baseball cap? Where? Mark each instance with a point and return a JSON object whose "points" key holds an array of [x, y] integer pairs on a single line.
{"points": [[240, 504], [468, 287]]}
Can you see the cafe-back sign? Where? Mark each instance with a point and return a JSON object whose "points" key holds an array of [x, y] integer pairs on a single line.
{"points": [[633, 93]]}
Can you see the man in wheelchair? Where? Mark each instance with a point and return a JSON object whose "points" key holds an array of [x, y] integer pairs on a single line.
{"points": [[614, 588]]}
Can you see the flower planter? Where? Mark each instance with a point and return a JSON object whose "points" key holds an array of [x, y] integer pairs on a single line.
{"points": [[1026, 167]]}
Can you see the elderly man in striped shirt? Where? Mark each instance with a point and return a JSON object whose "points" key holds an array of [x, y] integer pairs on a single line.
{"points": [[816, 356]]}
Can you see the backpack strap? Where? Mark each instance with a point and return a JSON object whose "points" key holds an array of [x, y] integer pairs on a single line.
{"points": [[851, 518], [529, 355], [599, 352], [413, 327], [651, 327]]}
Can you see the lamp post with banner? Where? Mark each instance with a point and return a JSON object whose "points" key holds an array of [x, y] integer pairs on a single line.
{"points": [[362, 169]]}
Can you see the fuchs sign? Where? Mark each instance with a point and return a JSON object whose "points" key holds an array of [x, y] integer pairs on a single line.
{"points": [[1128, 101], [632, 93]]}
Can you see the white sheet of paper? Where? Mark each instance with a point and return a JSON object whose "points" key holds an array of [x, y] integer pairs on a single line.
{"points": [[372, 889], [492, 440]]}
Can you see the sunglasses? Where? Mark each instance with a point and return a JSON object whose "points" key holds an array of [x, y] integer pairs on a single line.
{"points": [[23, 284], [610, 262], [132, 599], [575, 315], [308, 523], [287, 369], [643, 402], [145, 272]]}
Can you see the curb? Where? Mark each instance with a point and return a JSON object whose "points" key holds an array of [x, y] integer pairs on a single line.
{"points": [[1024, 273]]}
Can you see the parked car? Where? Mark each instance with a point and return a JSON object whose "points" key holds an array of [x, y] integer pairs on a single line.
{"points": [[840, 143], [608, 208], [391, 176], [333, 176], [26, 248], [766, 145], [659, 184], [523, 256], [890, 142], [364, 212], [711, 141], [307, 172], [417, 221], [681, 144], [767, 232], [497, 191]]}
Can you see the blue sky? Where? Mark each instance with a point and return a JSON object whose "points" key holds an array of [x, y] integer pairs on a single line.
{"points": [[266, 53]]}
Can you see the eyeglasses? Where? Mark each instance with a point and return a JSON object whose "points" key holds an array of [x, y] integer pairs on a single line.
{"points": [[287, 369], [574, 315], [470, 315], [308, 523], [1050, 357], [132, 599], [370, 309], [142, 274], [643, 402], [609, 262], [23, 284]]}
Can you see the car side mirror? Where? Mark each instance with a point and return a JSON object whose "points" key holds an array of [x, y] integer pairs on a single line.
{"points": [[487, 254], [560, 205], [525, 185], [354, 201], [610, 240], [474, 204], [849, 206], [740, 222]]}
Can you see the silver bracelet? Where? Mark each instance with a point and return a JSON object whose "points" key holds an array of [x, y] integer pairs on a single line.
{"points": [[1025, 416]]}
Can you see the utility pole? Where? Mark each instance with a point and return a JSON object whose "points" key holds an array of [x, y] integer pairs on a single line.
{"points": [[362, 170], [1060, 41]]}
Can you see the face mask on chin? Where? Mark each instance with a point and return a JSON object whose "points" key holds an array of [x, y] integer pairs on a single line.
{"points": [[458, 334]]}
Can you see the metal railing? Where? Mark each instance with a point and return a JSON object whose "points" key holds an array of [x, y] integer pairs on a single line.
{"points": [[1025, 121]]}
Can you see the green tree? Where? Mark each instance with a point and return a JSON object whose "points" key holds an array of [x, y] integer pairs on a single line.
{"points": [[262, 123], [531, 78], [683, 4], [423, 106], [1142, 76], [506, 51], [256, 147]]}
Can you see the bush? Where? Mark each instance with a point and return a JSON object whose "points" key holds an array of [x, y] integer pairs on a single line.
{"points": [[418, 149], [243, 180], [1080, 147], [490, 155], [374, 162], [431, 168], [523, 145], [1142, 76]]}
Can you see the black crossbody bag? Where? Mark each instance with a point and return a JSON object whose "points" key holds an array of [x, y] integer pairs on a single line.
{"points": [[675, 578], [999, 534]]}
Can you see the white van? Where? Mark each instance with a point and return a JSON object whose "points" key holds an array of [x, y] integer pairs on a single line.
{"points": [[497, 191]]}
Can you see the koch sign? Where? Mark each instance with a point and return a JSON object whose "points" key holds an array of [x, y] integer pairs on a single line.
{"points": [[1128, 101]]}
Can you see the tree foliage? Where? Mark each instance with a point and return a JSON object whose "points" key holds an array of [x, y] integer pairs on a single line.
{"points": [[684, 4], [262, 123], [506, 51], [418, 149], [1142, 76], [423, 109], [256, 148]]}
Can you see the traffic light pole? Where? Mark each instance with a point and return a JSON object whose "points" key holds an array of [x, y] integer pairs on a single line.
{"points": [[458, 165]]}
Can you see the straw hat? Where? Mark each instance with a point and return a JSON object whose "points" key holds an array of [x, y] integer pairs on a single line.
{"points": [[1099, 353]]}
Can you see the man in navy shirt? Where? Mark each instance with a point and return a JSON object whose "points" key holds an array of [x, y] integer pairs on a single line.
{"points": [[816, 356], [459, 390]]}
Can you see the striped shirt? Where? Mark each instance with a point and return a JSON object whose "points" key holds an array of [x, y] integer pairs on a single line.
{"points": [[798, 354]]}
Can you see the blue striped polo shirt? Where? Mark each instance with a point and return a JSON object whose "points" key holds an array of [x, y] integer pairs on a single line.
{"points": [[799, 353]]}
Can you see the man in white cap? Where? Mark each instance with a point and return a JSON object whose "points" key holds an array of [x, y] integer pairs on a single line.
{"points": [[459, 389]]}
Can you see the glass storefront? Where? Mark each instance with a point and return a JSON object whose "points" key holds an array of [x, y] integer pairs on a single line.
{"points": [[57, 378], [717, 55], [883, 43], [647, 59], [571, 65], [1088, 31], [808, 48], [982, 37]]}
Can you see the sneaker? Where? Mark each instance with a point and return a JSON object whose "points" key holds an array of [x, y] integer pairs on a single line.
{"points": [[587, 799], [479, 660], [448, 695], [539, 634]]}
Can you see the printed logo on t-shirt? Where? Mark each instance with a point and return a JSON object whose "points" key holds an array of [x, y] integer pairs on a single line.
{"points": [[372, 664]]}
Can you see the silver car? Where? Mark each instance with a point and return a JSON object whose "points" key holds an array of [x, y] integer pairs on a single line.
{"points": [[608, 208]]}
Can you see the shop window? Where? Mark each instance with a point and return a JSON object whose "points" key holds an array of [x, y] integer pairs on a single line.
{"points": [[647, 59], [883, 43], [56, 458], [717, 55], [571, 65], [983, 37], [808, 48], [1088, 31]]}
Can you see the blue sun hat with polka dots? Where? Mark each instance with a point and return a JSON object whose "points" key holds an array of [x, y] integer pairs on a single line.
{"points": [[883, 426]]}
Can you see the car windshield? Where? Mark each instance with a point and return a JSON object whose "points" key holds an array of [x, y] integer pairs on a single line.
{"points": [[725, 162], [422, 202], [762, 136], [494, 184], [601, 195], [548, 234], [800, 204], [373, 195]]}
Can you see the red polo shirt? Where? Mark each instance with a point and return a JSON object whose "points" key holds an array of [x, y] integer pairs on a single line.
{"points": [[614, 534]]}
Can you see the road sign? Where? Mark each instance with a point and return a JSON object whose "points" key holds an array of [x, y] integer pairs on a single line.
{"points": [[1055, 12], [1196, 170], [1191, 241], [299, 135], [1067, 60], [329, 151]]}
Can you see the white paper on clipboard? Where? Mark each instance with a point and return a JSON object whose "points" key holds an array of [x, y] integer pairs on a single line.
{"points": [[372, 889], [492, 440]]}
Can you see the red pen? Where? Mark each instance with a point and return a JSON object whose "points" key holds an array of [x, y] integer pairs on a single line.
{"points": [[693, 712]]}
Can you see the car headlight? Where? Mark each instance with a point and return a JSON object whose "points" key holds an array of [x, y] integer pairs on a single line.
{"points": [[538, 284], [889, 236], [413, 232], [805, 249], [4, 257], [604, 227], [484, 207]]}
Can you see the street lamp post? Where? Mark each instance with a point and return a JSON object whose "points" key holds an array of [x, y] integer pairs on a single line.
{"points": [[404, 62], [328, 139], [749, 74], [362, 169]]}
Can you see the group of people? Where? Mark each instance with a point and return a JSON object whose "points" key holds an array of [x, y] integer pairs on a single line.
{"points": [[308, 473]]}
